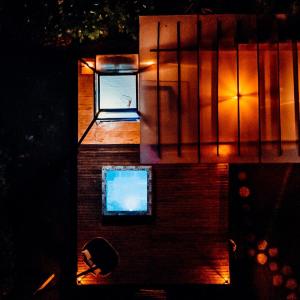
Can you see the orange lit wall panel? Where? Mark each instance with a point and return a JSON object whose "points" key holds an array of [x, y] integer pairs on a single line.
{"points": [[227, 99], [211, 95], [206, 98], [248, 101], [168, 122]]}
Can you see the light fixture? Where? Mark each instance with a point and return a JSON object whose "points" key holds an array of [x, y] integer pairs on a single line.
{"points": [[261, 258], [291, 284], [244, 192], [262, 245], [273, 252], [273, 266], [87, 67], [277, 280]]}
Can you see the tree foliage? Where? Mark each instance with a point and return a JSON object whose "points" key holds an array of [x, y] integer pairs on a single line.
{"points": [[63, 22]]}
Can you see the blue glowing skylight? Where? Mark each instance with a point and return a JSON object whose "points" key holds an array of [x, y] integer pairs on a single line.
{"points": [[126, 190], [118, 92]]}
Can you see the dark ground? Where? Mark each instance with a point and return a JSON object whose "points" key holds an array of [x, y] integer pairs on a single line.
{"points": [[36, 168]]}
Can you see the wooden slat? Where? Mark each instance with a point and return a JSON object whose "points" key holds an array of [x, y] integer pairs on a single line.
{"points": [[216, 85], [179, 110], [238, 25], [158, 93], [258, 92], [198, 89], [296, 91], [279, 104]]}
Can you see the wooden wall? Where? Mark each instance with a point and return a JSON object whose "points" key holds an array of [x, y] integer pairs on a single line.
{"points": [[106, 132], [185, 243], [206, 104]]}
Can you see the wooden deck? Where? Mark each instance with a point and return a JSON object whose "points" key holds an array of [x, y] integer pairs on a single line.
{"points": [[186, 243]]}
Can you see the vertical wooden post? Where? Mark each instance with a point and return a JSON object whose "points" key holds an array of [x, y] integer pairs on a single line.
{"points": [[296, 91], [198, 89], [158, 142], [217, 86], [279, 102], [179, 118], [238, 87], [258, 92]]}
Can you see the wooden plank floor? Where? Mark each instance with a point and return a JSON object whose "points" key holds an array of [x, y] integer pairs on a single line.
{"points": [[186, 243]]}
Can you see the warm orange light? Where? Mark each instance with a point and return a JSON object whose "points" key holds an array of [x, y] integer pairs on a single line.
{"points": [[225, 150], [262, 258], [281, 16], [90, 63], [291, 284], [273, 266], [148, 62], [292, 296], [81, 280], [273, 252], [45, 283], [262, 245], [221, 273], [277, 280], [244, 192], [87, 67], [86, 278], [227, 79]]}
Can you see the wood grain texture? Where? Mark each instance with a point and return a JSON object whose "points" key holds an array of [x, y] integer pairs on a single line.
{"points": [[210, 106], [184, 243], [105, 132]]}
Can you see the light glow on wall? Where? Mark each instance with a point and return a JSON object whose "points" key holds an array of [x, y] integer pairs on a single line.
{"points": [[240, 95], [86, 67]]}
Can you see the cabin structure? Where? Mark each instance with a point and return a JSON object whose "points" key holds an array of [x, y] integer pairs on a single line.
{"points": [[204, 92]]}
